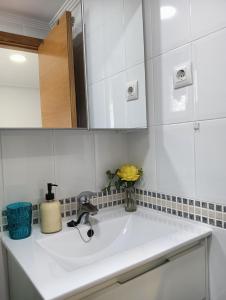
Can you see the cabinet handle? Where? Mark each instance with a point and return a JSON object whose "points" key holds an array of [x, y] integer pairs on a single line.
{"points": [[142, 272]]}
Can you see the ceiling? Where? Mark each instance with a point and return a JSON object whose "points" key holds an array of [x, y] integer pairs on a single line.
{"points": [[43, 10], [19, 74]]}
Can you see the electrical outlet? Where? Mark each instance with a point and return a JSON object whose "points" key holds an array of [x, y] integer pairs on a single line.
{"points": [[132, 90], [182, 75]]}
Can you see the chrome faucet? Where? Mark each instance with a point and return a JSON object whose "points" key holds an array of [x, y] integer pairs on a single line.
{"points": [[85, 207]]}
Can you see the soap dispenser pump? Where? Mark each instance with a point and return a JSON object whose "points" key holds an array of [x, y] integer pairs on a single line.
{"points": [[50, 212]]}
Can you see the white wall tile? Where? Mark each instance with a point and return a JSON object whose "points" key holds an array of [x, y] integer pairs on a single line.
{"points": [[116, 101], [172, 105], [141, 151], [210, 74], [114, 48], [28, 164], [95, 56], [94, 15], [97, 105], [175, 159], [147, 29], [170, 26], [1, 179], [110, 153], [74, 162], [207, 16], [136, 114], [134, 37], [114, 40], [210, 142], [150, 92]]}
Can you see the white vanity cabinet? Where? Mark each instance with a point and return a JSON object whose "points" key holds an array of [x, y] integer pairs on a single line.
{"points": [[182, 277]]}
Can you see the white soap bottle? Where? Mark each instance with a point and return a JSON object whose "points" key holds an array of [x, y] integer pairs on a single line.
{"points": [[50, 213]]}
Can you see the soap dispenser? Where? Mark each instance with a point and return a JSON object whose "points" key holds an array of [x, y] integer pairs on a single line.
{"points": [[50, 213]]}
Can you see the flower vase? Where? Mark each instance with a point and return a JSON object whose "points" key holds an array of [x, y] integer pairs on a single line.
{"points": [[130, 202]]}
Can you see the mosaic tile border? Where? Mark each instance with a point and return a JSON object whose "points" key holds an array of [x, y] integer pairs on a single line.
{"points": [[69, 206], [206, 212]]}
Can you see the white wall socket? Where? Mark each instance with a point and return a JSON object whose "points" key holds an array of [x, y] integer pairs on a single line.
{"points": [[182, 75], [132, 90]]}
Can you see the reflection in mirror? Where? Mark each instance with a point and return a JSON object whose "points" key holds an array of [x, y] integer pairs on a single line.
{"points": [[115, 63], [19, 89], [79, 67], [44, 88]]}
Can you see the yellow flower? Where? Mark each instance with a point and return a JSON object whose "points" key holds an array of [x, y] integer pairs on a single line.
{"points": [[128, 173]]}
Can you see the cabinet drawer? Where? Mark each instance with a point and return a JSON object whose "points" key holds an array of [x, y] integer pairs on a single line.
{"points": [[181, 278]]}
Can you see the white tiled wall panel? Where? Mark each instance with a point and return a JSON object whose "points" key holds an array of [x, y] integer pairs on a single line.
{"points": [[97, 104], [116, 100], [170, 26], [172, 105], [141, 150], [150, 92], [136, 109], [114, 48], [115, 52], [28, 164], [175, 159], [114, 42], [95, 52], [207, 16], [210, 143], [74, 162], [134, 37], [94, 20], [210, 73], [110, 153]]}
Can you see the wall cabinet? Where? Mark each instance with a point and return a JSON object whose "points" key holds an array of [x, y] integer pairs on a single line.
{"points": [[89, 72]]}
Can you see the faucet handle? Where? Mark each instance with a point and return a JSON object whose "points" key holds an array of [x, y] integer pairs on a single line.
{"points": [[85, 197]]}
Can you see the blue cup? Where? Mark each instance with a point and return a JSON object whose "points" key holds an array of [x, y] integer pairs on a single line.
{"points": [[19, 216]]}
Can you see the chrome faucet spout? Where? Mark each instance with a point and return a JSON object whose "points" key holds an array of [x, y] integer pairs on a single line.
{"points": [[85, 207]]}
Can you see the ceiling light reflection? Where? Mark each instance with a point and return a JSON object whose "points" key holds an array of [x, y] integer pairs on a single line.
{"points": [[18, 58], [167, 12]]}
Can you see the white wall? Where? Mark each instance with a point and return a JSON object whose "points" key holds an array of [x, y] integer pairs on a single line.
{"points": [[20, 107], [177, 159]]}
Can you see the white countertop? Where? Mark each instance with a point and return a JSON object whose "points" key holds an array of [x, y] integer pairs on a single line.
{"points": [[55, 282]]}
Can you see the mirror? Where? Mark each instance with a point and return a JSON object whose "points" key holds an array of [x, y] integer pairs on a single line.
{"points": [[115, 63], [43, 85], [19, 89], [76, 78]]}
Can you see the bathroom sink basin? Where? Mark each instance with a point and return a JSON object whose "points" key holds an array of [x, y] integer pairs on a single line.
{"points": [[61, 265], [112, 234]]}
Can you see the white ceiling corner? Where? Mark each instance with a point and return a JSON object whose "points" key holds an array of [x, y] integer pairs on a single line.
{"points": [[68, 5]]}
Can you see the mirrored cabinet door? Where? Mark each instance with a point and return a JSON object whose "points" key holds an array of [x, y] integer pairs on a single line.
{"points": [[40, 81], [88, 72], [115, 63]]}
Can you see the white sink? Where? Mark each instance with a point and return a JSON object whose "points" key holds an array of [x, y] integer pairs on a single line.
{"points": [[62, 265], [113, 233]]}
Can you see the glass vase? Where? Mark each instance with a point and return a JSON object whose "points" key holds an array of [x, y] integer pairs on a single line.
{"points": [[130, 202]]}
